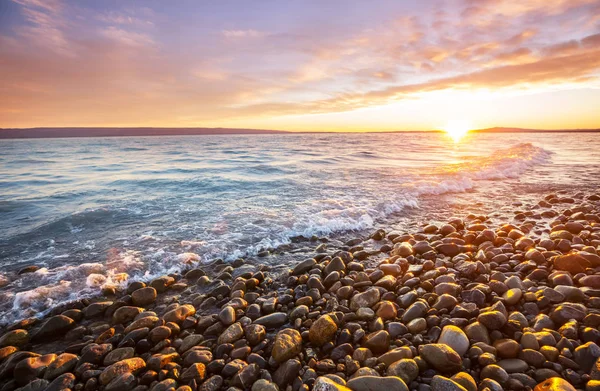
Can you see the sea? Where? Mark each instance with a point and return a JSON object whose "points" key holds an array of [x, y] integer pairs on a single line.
{"points": [[78, 215]]}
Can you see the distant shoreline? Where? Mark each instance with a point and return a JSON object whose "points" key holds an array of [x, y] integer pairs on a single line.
{"points": [[72, 132]]}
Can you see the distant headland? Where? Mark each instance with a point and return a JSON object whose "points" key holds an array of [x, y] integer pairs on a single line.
{"points": [[51, 132]]}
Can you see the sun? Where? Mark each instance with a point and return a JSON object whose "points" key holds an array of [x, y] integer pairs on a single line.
{"points": [[457, 129]]}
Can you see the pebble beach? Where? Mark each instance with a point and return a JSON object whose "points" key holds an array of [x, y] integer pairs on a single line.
{"points": [[465, 305]]}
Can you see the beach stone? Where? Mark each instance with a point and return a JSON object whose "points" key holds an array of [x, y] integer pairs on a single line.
{"points": [[158, 361], [586, 355], [441, 383], [94, 353], [31, 368], [97, 309], [145, 322], [416, 310], [507, 348], [17, 337], [492, 320], [513, 365], [179, 314], [554, 384], [494, 372], [287, 345], [35, 385], [7, 351], [376, 383], [132, 365], [144, 296], [287, 372], [567, 311], [365, 299], [573, 263], [190, 341], [264, 385], [55, 327], [65, 381], [394, 355], [323, 383], [406, 369], [63, 363], [213, 383], [122, 382], [161, 284], [477, 332], [273, 320], [441, 357], [465, 380], [304, 266], [227, 315], [512, 296], [118, 355], [196, 371], [246, 376], [126, 314], [378, 341], [533, 357], [322, 331], [455, 338], [231, 334], [255, 333]]}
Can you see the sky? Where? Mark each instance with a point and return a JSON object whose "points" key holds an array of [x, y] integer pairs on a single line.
{"points": [[311, 65]]}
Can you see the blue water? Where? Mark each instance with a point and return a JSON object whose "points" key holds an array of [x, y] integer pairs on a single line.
{"points": [[92, 212]]}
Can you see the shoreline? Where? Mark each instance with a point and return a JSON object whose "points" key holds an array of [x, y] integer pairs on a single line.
{"points": [[462, 305]]}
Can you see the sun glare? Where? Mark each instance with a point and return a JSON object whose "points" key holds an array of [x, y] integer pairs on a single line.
{"points": [[457, 129]]}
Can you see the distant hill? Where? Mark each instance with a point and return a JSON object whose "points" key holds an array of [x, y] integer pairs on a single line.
{"points": [[516, 130], [123, 132], [141, 132]]}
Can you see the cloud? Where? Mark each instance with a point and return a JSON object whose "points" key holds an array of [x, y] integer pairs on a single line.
{"points": [[45, 24], [243, 33], [129, 38]]}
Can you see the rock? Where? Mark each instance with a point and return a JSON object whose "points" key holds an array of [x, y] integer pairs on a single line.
{"points": [[406, 369], [231, 334], [31, 368], [441, 383], [573, 263], [376, 383], [196, 371], [304, 266], [378, 341], [125, 314], [323, 383], [477, 332], [366, 299], [273, 320], [246, 376], [441, 357], [96, 310], [190, 341], [492, 320], [394, 355], [64, 363], [455, 338], [123, 382], [494, 372], [512, 296], [94, 353], [416, 310], [179, 314], [63, 382], [132, 365], [17, 337], [227, 315], [117, 355], [554, 384], [513, 365], [35, 385], [214, 383], [7, 351], [264, 385], [255, 333], [161, 284], [144, 296], [586, 355], [465, 380], [287, 372], [287, 345], [567, 311], [322, 331], [56, 326]]}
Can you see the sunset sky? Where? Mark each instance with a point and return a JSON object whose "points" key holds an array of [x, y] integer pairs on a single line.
{"points": [[300, 65]]}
